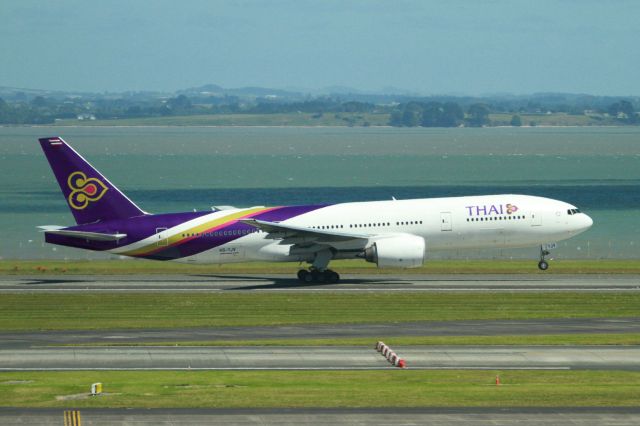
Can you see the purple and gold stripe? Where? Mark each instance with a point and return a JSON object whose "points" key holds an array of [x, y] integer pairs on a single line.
{"points": [[209, 226]]}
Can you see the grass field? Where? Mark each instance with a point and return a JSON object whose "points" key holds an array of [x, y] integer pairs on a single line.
{"points": [[327, 119], [113, 267], [285, 119], [79, 310], [556, 119], [280, 389]]}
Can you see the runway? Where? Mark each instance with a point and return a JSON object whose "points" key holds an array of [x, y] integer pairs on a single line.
{"points": [[348, 283], [459, 416], [449, 416], [321, 358]]}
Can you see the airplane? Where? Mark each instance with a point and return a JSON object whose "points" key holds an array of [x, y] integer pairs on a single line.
{"points": [[392, 233]]}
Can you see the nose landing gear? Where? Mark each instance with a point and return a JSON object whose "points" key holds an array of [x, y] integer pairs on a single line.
{"points": [[543, 265]]}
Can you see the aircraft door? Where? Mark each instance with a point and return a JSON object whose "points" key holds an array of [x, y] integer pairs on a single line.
{"points": [[536, 219], [445, 221], [162, 237]]}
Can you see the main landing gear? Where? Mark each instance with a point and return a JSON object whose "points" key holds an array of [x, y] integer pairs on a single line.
{"points": [[318, 273], [316, 276]]}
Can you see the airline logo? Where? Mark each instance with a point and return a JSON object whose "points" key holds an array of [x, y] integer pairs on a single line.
{"points": [[493, 209], [84, 190]]}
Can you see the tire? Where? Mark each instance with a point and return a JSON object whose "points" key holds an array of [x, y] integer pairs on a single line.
{"points": [[332, 277], [308, 278], [543, 265], [302, 273]]}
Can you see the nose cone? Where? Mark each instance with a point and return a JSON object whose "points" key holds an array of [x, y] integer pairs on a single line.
{"points": [[584, 222]]}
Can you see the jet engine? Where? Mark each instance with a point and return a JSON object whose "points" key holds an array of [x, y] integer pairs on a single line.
{"points": [[405, 251]]}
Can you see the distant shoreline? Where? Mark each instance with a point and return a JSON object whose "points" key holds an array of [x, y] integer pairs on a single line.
{"points": [[308, 120], [262, 126]]}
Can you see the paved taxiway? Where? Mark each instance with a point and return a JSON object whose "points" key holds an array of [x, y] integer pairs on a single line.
{"points": [[349, 283], [27, 339], [320, 358], [333, 416]]}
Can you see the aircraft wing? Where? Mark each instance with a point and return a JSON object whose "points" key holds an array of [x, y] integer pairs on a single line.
{"points": [[290, 231], [94, 236]]}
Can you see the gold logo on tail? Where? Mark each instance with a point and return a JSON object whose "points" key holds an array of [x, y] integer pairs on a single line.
{"points": [[84, 190]]}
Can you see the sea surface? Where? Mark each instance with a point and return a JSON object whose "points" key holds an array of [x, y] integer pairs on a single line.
{"points": [[168, 169]]}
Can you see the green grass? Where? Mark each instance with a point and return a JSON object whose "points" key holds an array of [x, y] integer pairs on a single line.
{"points": [[392, 388], [90, 310], [112, 267], [555, 119], [511, 340], [328, 119], [284, 119]]}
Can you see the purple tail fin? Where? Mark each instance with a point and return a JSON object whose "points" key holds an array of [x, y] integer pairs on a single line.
{"points": [[90, 195]]}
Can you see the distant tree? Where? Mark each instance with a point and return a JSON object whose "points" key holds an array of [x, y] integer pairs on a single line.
{"points": [[431, 114], [412, 115], [179, 103], [354, 106], [624, 109], [621, 106], [436, 114], [134, 111], [395, 119], [39, 102], [5, 112], [478, 115], [452, 115], [516, 120]]}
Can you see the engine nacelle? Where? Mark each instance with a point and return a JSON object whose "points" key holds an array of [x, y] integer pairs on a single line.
{"points": [[404, 251]]}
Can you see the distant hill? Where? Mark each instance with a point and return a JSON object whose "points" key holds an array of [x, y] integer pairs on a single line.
{"points": [[242, 92]]}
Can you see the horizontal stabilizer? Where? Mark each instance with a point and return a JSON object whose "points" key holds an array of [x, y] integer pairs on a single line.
{"points": [[94, 236]]}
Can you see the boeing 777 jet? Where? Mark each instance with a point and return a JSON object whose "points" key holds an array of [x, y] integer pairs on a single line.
{"points": [[393, 233]]}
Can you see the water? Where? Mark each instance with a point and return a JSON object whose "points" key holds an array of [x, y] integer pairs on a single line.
{"points": [[180, 169]]}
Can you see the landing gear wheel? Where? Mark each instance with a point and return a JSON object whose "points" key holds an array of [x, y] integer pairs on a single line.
{"points": [[543, 265], [305, 276], [315, 276], [332, 277]]}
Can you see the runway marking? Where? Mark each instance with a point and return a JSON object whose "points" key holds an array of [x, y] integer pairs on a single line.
{"points": [[389, 368], [330, 290]]}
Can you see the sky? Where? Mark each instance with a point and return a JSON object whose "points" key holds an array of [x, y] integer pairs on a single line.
{"points": [[428, 47]]}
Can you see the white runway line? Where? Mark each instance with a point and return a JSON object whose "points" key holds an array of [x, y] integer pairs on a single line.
{"points": [[389, 368]]}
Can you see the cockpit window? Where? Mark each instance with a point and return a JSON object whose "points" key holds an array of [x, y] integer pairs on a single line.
{"points": [[573, 211]]}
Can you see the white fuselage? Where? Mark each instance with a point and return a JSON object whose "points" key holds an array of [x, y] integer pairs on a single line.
{"points": [[492, 221]]}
